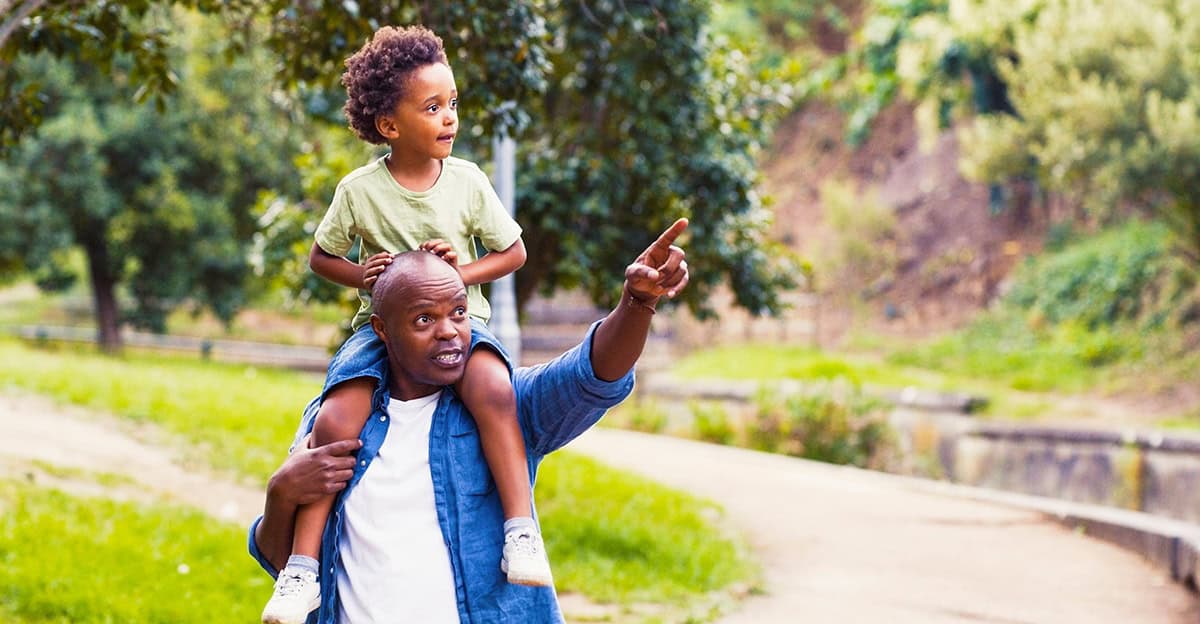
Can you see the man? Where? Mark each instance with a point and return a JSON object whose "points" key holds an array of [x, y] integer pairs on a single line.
{"points": [[414, 539]]}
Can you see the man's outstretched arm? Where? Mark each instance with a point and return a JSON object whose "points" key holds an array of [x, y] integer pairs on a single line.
{"points": [[657, 272]]}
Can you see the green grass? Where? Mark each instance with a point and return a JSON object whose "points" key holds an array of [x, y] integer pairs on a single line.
{"points": [[611, 536], [87, 560], [238, 418], [639, 541], [763, 362]]}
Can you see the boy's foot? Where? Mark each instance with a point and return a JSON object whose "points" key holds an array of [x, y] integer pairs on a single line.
{"points": [[297, 592], [525, 559]]}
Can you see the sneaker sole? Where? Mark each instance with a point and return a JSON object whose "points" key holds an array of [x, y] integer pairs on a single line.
{"points": [[528, 580], [285, 620]]}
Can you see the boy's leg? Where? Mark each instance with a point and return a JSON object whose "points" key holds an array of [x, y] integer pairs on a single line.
{"points": [[488, 394], [297, 591]]}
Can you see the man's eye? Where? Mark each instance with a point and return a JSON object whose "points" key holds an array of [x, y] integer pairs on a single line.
{"points": [[460, 311], [424, 319]]}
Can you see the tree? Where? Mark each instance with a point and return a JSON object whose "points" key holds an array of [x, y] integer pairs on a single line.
{"points": [[1105, 101], [627, 116], [645, 121], [158, 201], [692, 159]]}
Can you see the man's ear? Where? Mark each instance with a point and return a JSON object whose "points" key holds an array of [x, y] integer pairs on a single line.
{"points": [[386, 126], [377, 327]]}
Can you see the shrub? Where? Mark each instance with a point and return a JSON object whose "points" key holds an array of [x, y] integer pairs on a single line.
{"points": [[835, 423], [711, 423]]}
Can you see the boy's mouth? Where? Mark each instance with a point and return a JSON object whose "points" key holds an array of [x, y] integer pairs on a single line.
{"points": [[446, 138]]}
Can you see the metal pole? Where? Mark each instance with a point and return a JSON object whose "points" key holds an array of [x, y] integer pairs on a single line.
{"points": [[504, 321]]}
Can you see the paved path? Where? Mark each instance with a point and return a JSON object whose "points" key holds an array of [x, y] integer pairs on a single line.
{"points": [[843, 545]]}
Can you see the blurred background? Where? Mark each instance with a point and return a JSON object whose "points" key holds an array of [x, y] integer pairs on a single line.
{"points": [[951, 239]]}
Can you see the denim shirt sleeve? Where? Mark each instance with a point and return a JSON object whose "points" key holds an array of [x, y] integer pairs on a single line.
{"points": [[306, 422], [559, 400]]}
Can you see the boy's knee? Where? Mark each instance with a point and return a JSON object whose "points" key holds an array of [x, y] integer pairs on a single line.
{"points": [[486, 387], [343, 411]]}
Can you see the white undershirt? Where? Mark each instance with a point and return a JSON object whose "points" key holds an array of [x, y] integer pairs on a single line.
{"points": [[395, 566]]}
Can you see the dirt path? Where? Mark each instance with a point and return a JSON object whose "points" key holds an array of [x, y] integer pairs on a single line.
{"points": [[846, 545], [78, 449]]}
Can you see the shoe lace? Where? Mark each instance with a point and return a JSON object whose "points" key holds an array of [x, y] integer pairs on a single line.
{"points": [[525, 544], [291, 583]]}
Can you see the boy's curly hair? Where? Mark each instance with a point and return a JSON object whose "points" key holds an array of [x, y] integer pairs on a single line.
{"points": [[376, 75]]}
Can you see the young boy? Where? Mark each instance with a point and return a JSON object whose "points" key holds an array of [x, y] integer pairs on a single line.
{"points": [[401, 91]]}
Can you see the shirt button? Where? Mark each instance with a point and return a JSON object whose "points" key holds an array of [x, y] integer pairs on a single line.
{"points": [[382, 418], [362, 463]]}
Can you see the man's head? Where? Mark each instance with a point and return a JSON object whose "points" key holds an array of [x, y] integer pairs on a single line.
{"points": [[421, 315], [400, 84]]}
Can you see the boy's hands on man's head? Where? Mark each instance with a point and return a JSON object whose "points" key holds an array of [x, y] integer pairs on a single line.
{"points": [[373, 267], [441, 249], [660, 270]]}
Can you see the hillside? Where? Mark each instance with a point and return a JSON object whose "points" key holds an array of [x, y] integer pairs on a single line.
{"points": [[951, 254]]}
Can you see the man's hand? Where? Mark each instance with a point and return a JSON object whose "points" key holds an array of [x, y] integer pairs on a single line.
{"points": [[373, 267], [310, 474], [441, 249], [660, 270]]}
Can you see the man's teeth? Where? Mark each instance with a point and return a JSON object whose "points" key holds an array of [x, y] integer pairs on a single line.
{"points": [[447, 357]]}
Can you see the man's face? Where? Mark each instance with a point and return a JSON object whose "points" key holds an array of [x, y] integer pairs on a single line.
{"points": [[427, 333]]}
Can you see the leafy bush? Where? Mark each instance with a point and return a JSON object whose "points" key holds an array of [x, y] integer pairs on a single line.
{"points": [[835, 424], [647, 416], [711, 423], [1098, 281]]}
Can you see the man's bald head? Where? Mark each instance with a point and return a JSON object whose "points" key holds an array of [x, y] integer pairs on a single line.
{"points": [[405, 276]]}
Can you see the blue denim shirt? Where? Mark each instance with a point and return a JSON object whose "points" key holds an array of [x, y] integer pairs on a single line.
{"points": [[556, 402]]}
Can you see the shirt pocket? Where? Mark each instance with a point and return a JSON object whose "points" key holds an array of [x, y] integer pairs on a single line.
{"points": [[471, 471]]}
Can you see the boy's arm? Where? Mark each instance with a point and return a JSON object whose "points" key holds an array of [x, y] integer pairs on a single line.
{"points": [[494, 265], [491, 267], [342, 271]]}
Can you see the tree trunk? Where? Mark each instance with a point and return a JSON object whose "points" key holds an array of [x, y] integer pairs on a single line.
{"points": [[108, 334]]}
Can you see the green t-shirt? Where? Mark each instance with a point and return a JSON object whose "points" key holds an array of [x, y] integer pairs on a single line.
{"points": [[460, 208]]}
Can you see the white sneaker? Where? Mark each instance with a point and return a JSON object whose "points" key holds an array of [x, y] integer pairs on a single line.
{"points": [[297, 592], [525, 560]]}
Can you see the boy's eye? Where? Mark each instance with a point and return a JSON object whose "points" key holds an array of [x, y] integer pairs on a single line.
{"points": [[433, 108], [454, 103]]}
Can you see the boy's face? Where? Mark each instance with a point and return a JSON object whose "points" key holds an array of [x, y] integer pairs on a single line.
{"points": [[425, 120]]}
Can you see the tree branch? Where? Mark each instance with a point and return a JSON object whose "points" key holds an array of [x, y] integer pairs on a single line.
{"points": [[23, 11]]}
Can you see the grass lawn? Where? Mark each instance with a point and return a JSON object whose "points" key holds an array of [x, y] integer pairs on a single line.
{"points": [[612, 536]]}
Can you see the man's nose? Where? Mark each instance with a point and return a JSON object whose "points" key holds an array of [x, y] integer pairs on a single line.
{"points": [[446, 329]]}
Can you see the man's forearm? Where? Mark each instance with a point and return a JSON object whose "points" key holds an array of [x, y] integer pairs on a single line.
{"points": [[273, 535], [621, 336]]}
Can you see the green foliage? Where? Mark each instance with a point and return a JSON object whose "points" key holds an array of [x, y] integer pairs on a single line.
{"points": [[1099, 281], [96, 561], [835, 423], [647, 120], [711, 423], [629, 539], [863, 245], [1104, 97], [159, 200], [645, 415]]}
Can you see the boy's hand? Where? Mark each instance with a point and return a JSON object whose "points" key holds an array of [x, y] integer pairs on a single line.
{"points": [[442, 249], [373, 267]]}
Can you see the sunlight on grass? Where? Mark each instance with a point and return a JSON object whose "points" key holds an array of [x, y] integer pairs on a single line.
{"points": [[90, 560], [637, 541], [612, 536], [775, 362]]}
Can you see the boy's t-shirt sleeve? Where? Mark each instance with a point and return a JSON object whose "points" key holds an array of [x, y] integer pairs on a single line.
{"points": [[336, 233], [491, 223]]}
